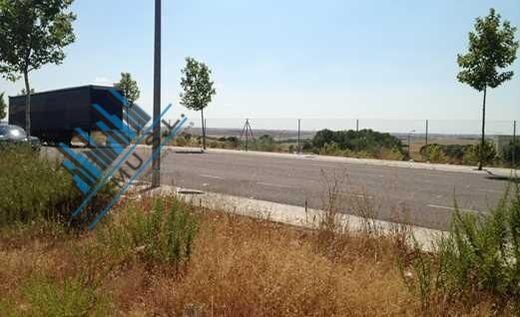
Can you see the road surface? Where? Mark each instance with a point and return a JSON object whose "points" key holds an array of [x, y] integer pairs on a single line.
{"points": [[422, 197]]}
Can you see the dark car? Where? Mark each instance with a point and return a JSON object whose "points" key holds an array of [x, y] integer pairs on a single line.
{"points": [[12, 134]]}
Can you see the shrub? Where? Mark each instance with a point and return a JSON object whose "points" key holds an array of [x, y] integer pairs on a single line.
{"points": [[265, 143], [510, 151], [164, 235], [234, 141], [480, 258], [472, 154], [455, 151], [333, 149], [367, 142], [433, 153], [180, 141], [390, 154]]}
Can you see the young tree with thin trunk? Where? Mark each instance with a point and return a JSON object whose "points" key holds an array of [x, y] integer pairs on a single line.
{"points": [[33, 33], [492, 47], [198, 89], [129, 88]]}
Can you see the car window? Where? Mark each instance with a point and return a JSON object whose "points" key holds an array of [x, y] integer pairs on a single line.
{"points": [[3, 130]]}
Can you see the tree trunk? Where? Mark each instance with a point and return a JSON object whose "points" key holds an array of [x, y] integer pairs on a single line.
{"points": [[203, 129], [483, 140], [27, 104]]}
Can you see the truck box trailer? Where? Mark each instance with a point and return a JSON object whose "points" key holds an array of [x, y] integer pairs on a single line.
{"points": [[56, 114]]}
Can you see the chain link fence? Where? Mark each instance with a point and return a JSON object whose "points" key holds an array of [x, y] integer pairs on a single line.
{"points": [[291, 134]]}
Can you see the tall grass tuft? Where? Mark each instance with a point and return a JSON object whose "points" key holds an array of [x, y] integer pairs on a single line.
{"points": [[46, 297], [479, 259], [33, 188], [164, 234]]}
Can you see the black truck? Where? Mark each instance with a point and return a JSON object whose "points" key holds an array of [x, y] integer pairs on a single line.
{"points": [[56, 114]]}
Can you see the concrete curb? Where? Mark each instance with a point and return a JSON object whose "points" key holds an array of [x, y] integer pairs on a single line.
{"points": [[291, 215]]}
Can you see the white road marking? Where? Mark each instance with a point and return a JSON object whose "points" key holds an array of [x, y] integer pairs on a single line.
{"points": [[273, 185], [452, 208], [211, 176], [491, 191], [362, 196]]}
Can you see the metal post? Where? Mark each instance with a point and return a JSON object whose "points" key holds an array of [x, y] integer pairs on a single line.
{"points": [[247, 132], [156, 158], [427, 132], [299, 136], [409, 143], [514, 144], [357, 125]]}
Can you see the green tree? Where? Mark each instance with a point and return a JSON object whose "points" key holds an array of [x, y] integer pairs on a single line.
{"points": [[3, 106], [198, 89], [33, 33], [492, 47], [129, 88]]}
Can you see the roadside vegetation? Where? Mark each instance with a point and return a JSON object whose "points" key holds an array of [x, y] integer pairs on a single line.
{"points": [[35, 189], [162, 256], [363, 144], [479, 262]]}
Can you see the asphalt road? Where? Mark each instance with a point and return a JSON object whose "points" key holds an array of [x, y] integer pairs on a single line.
{"points": [[422, 197]]}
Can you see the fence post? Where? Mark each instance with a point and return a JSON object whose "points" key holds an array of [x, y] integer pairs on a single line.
{"points": [[299, 136], [427, 123], [247, 134]]}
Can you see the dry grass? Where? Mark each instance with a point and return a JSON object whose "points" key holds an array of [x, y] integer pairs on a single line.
{"points": [[240, 267], [245, 267]]}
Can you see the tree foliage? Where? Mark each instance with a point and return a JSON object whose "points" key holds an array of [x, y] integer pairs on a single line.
{"points": [[129, 88], [492, 47], [364, 140], [33, 33], [3, 106], [197, 85]]}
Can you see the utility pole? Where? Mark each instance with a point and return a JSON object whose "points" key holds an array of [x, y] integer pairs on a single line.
{"points": [[357, 125], [156, 155], [299, 136]]}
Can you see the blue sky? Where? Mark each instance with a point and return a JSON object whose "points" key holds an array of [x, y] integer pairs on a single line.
{"points": [[311, 59]]}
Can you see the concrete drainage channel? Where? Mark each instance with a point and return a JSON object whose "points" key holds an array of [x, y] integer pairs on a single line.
{"points": [[287, 214]]}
